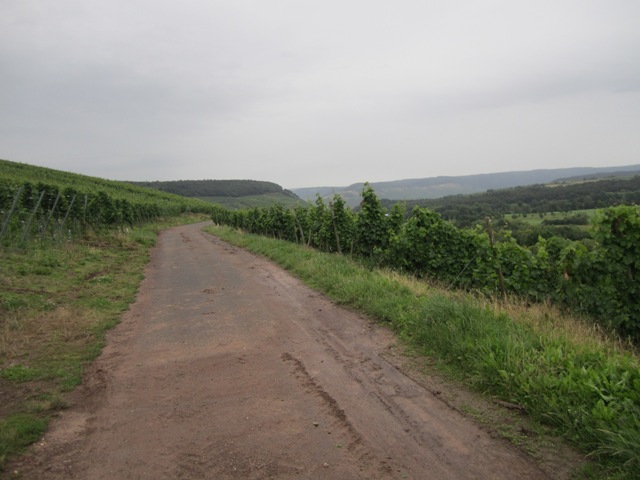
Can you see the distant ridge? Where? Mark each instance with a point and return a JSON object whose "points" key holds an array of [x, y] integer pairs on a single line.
{"points": [[436, 187], [232, 194], [216, 188], [598, 176]]}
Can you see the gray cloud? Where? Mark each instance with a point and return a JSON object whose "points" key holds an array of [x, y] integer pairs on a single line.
{"points": [[309, 92]]}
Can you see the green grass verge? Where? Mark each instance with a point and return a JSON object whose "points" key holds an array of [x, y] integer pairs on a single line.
{"points": [[559, 370], [17, 432], [57, 302]]}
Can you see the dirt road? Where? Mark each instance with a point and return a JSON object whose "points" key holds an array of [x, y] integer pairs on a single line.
{"points": [[227, 367]]}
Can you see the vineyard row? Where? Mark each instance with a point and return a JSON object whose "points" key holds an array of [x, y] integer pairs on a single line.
{"points": [[601, 281], [29, 210]]}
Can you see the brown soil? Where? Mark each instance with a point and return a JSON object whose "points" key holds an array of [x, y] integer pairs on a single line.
{"points": [[227, 367]]}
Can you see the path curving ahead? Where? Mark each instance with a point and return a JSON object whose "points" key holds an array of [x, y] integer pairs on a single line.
{"points": [[226, 367]]}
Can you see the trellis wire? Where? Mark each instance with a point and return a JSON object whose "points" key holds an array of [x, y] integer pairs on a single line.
{"points": [[73, 199], [5, 223], [28, 226], [46, 225]]}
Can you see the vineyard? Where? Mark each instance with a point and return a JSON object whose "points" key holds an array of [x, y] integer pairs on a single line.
{"points": [[37, 202], [598, 279], [562, 371], [51, 315]]}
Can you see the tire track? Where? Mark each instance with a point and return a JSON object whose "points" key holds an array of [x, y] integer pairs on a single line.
{"points": [[356, 444]]}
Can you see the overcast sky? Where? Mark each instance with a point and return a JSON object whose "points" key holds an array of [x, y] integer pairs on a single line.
{"points": [[326, 92]]}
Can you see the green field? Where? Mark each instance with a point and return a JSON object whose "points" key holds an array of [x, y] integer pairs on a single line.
{"points": [[254, 201], [537, 219]]}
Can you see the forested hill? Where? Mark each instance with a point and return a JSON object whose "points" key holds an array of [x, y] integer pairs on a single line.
{"points": [[466, 210], [437, 187], [217, 188]]}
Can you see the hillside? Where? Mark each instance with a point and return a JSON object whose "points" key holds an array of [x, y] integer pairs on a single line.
{"points": [[214, 188], [38, 202], [571, 194], [437, 187], [255, 201], [13, 174], [233, 194]]}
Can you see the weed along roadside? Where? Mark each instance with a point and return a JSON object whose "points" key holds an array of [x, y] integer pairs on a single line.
{"points": [[57, 301], [562, 372]]}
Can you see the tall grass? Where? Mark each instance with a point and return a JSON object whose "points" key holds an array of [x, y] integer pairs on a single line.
{"points": [[560, 371]]}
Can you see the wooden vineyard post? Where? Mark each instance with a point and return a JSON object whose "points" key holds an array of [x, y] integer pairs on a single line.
{"points": [[46, 225], [496, 259], [73, 199], [28, 226]]}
